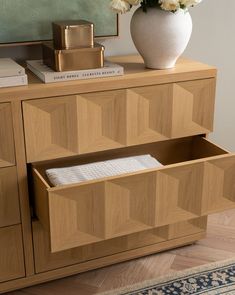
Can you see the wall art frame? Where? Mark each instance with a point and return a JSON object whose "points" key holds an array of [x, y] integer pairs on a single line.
{"points": [[28, 22]]}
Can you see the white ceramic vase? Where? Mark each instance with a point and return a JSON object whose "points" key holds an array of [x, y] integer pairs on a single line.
{"points": [[161, 36]]}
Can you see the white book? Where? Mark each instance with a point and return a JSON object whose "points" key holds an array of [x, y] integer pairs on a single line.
{"points": [[14, 81], [47, 75], [9, 68]]}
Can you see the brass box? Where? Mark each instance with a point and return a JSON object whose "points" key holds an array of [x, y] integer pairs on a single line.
{"points": [[73, 34], [73, 59]]}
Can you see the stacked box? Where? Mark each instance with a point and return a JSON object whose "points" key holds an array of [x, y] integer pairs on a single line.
{"points": [[73, 47]]}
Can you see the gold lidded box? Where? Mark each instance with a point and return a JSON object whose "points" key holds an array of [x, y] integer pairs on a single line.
{"points": [[74, 59], [73, 34]]}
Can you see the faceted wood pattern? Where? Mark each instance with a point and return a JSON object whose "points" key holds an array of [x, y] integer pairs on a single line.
{"points": [[7, 149], [193, 107], [45, 260], [70, 125], [86, 213], [101, 120], [219, 185], [217, 246], [179, 193], [9, 199], [82, 215], [51, 128], [11, 253]]}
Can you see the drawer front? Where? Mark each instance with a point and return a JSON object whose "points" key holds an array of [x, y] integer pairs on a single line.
{"points": [[45, 260], [7, 151], [9, 200], [71, 125], [11, 253], [94, 211]]}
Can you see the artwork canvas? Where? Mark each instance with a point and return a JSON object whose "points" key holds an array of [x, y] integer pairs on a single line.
{"points": [[30, 20]]}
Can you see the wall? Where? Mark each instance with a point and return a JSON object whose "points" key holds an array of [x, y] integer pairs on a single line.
{"points": [[213, 42]]}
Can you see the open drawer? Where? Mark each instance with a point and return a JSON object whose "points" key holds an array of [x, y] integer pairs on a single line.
{"points": [[197, 179]]}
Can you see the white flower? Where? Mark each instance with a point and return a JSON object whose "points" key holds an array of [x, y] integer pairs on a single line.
{"points": [[120, 6], [170, 5], [189, 3], [133, 2]]}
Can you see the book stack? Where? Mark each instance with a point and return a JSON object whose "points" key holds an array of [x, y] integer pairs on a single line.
{"points": [[47, 75], [72, 55], [11, 73]]}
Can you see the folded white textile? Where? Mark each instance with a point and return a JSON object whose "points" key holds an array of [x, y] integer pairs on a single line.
{"points": [[81, 173]]}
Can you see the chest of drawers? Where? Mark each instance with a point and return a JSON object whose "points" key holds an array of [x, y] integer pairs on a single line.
{"points": [[60, 231]]}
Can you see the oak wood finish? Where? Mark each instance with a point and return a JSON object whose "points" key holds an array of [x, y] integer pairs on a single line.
{"points": [[11, 253], [121, 205], [164, 113], [167, 152], [9, 199], [85, 123], [23, 186], [46, 261], [220, 191], [99, 263], [217, 246], [136, 75], [7, 151]]}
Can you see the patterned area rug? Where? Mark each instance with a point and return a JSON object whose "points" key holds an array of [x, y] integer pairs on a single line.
{"points": [[211, 279]]}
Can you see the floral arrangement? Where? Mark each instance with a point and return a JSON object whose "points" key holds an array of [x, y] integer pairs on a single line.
{"points": [[122, 6]]}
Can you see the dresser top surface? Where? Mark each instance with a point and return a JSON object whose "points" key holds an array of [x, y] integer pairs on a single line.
{"points": [[135, 75]]}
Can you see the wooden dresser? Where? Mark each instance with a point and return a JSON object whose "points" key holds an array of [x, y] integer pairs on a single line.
{"points": [[50, 232]]}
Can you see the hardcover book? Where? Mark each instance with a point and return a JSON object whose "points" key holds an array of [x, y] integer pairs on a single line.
{"points": [[47, 75], [9, 68], [14, 81]]}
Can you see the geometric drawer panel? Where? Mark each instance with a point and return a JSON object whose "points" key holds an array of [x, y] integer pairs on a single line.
{"points": [[77, 216], [45, 260], [219, 185], [51, 128], [11, 254], [7, 149], [9, 199], [170, 111], [193, 107], [82, 214], [179, 194], [129, 204], [86, 214], [101, 121], [78, 124]]}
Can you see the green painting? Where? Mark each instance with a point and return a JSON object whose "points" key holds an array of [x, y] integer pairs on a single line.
{"points": [[30, 20]]}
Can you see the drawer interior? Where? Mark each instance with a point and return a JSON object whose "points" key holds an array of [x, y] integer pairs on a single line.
{"points": [[167, 152]]}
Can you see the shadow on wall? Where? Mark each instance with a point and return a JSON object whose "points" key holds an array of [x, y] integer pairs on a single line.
{"points": [[213, 42], [21, 52]]}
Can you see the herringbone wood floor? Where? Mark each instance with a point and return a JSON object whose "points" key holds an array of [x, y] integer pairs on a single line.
{"points": [[219, 245]]}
